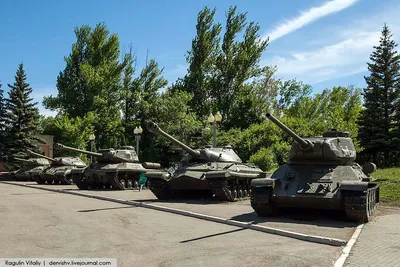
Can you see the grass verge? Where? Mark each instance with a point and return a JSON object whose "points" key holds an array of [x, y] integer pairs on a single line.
{"points": [[389, 183]]}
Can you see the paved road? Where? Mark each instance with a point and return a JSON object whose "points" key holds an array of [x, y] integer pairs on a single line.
{"points": [[36, 223], [379, 242], [326, 224]]}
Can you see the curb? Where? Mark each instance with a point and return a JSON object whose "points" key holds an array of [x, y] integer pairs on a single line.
{"points": [[346, 250], [265, 229]]}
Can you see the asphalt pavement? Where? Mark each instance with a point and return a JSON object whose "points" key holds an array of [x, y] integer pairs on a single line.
{"points": [[37, 223]]}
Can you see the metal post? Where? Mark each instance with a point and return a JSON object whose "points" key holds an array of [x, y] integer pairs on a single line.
{"points": [[91, 149], [137, 143], [215, 134]]}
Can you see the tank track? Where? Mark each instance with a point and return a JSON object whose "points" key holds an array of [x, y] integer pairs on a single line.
{"points": [[160, 189], [78, 181], [66, 180], [359, 206], [261, 201], [230, 190]]}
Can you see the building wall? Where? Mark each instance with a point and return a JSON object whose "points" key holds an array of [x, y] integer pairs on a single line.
{"points": [[47, 148]]}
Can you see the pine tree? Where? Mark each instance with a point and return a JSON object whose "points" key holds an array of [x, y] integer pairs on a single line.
{"points": [[22, 116], [3, 125], [382, 92]]}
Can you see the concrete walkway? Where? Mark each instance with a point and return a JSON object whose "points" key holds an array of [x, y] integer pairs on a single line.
{"points": [[379, 241]]}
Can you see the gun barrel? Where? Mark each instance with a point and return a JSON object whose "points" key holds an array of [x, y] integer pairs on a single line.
{"points": [[303, 143], [153, 127], [23, 160], [63, 147], [41, 156]]}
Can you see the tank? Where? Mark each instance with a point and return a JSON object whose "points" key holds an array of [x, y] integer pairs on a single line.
{"points": [[116, 169], [321, 173], [204, 171], [29, 168], [59, 171]]}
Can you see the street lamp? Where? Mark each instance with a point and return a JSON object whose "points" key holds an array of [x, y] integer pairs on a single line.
{"points": [[213, 120], [91, 138], [137, 131]]}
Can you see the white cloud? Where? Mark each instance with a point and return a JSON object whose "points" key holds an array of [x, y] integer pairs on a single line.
{"points": [[345, 56], [38, 94], [309, 16]]}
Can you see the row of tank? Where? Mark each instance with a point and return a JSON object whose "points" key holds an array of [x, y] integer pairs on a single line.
{"points": [[321, 173]]}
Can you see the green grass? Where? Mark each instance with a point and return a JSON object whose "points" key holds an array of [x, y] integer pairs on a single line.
{"points": [[389, 183]]}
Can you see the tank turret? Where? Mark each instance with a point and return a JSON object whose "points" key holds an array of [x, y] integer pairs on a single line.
{"points": [[61, 161], [333, 147], [205, 154], [34, 161], [108, 155]]}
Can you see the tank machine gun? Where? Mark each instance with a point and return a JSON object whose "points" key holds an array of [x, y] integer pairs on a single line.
{"points": [[116, 169], [207, 171], [321, 173], [59, 171]]}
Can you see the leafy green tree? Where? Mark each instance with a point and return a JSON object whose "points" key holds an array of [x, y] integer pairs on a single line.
{"points": [[236, 64], [22, 116], [378, 119], [172, 113], [69, 131], [92, 82], [201, 59]]}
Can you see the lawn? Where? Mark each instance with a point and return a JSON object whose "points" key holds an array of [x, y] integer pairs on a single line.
{"points": [[389, 181]]}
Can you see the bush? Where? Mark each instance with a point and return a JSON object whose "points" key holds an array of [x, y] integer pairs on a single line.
{"points": [[265, 159]]}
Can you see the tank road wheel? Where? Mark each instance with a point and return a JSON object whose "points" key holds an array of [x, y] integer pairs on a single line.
{"points": [[39, 180], [359, 206], [122, 182], [261, 201], [129, 183]]}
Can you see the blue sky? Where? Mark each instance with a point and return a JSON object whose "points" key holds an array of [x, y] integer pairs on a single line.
{"points": [[322, 43]]}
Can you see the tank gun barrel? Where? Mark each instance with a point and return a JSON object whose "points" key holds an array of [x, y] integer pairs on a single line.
{"points": [[63, 147], [304, 144], [23, 160], [41, 156], [153, 127]]}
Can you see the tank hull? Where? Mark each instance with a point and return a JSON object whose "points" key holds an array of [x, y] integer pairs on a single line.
{"points": [[27, 173], [116, 176], [324, 187], [227, 181]]}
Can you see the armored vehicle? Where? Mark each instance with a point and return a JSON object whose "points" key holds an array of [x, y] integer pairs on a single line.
{"points": [[206, 171], [321, 173], [59, 171], [29, 168], [116, 169]]}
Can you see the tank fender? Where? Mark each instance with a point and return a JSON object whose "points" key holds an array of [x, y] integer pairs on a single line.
{"points": [[263, 182], [353, 185]]}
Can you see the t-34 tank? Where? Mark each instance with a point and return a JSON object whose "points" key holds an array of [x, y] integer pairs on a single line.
{"points": [[208, 170], [59, 171], [321, 173], [29, 168], [116, 169]]}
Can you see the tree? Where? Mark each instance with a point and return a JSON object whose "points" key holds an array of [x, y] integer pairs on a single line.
{"points": [[22, 116], [237, 64], [3, 124], [92, 82], [378, 119], [201, 59]]}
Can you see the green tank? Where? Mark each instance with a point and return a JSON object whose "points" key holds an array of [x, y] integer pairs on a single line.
{"points": [[116, 169], [29, 168], [204, 171], [321, 173], [59, 171]]}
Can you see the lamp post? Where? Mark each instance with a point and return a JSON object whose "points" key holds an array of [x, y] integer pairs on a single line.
{"points": [[213, 120], [137, 131], [92, 137]]}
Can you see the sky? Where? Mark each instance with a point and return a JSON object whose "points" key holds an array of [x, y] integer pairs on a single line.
{"points": [[319, 42]]}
